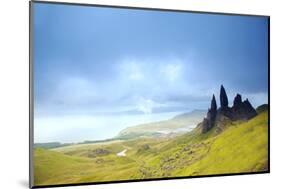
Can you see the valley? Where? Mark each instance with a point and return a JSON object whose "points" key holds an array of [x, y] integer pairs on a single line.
{"points": [[241, 147]]}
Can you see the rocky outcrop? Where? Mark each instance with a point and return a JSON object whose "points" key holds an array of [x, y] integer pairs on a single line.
{"points": [[98, 152], [241, 110], [205, 126]]}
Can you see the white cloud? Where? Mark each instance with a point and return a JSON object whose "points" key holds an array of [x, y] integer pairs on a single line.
{"points": [[131, 70], [172, 71], [154, 79], [145, 105], [74, 90]]}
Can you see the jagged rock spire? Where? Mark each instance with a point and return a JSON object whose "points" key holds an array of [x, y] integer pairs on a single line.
{"points": [[241, 110], [223, 98], [237, 100], [213, 103]]}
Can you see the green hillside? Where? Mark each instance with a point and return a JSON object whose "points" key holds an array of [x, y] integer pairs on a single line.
{"points": [[262, 108], [240, 147]]}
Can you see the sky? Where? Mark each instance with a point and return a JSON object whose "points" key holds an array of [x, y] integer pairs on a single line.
{"points": [[99, 70]]}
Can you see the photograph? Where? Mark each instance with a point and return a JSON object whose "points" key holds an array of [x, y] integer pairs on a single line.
{"points": [[124, 94]]}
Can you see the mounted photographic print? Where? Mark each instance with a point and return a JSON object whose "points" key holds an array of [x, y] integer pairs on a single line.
{"points": [[121, 94]]}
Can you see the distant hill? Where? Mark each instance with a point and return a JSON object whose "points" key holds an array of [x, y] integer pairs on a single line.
{"points": [[262, 108], [179, 124], [50, 145], [193, 115]]}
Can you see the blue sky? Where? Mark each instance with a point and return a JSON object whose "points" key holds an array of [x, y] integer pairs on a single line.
{"points": [[92, 61]]}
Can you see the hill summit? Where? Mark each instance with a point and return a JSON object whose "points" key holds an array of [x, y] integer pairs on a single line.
{"points": [[241, 110]]}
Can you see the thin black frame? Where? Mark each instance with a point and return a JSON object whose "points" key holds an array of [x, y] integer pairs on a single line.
{"points": [[31, 94]]}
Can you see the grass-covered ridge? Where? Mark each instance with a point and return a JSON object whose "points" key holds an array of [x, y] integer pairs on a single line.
{"points": [[240, 147]]}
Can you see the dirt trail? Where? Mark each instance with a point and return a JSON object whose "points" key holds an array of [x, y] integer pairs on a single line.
{"points": [[122, 153]]}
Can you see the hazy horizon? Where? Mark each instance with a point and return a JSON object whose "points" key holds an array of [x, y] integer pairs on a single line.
{"points": [[99, 70]]}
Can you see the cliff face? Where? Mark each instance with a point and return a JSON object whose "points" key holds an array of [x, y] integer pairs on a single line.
{"points": [[239, 111], [211, 116]]}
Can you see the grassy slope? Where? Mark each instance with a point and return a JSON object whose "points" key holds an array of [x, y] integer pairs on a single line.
{"points": [[242, 147], [56, 168]]}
